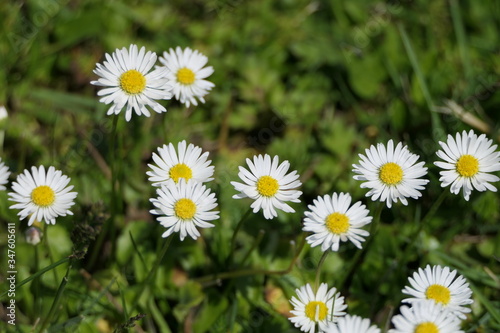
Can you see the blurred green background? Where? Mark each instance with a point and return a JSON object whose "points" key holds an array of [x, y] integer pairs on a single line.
{"points": [[315, 82]]}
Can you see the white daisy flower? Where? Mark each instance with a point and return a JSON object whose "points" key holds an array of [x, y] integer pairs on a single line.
{"points": [[468, 159], [127, 76], [439, 284], [391, 174], [42, 195], [352, 324], [183, 206], [425, 317], [184, 163], [185, 71], [269, 185], [312, 309], [4, 175], [332, 220]]}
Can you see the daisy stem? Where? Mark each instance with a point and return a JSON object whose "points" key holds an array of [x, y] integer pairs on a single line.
{"points": [[57, 298], [111, 221], [233, 239], [36, 283], [256, 243], [146, 283], [114, 174], [318, 270], [164, 128], [49, 252], [423, 222], [358, 257], [213, 278]]}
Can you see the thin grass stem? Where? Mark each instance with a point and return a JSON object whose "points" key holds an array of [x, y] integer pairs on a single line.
{"points": [[146, 283], [318, 269], [110, 223], [57, 299], [435, 120], [236, 231], [214, 278]]}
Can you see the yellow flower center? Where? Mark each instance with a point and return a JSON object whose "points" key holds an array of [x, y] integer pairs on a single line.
{"points": [[337, 223], [316, 311], [132, 82], [467, 166], [180, 170], [185, 209], [267, 186], [391, 173], [426, 327], [185, 76], [43, 196], [438, 293]]}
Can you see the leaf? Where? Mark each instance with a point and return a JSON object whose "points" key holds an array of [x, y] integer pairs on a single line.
{"points": [[190, 295], [366, 76], [212, 308]]}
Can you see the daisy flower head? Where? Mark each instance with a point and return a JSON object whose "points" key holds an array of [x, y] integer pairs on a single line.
{"points": [[442, 286], [186, 163], [129, 81], [320, 308], [425, 317], [42, 195], [269, 185], [186, 72], [184, 206], [33, 235], [352, 324], [390, 173], [333, 219], [468, 159], [4, 175]]}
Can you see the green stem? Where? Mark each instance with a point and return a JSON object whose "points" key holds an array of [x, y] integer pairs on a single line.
{"points": [[233, 239], [256, 243], [152, 273], [49, 252], [158, 316], [111, 221], [57, 299], [37, 274], [358, 257], [423, 222], [436, 122], [209, 279], [318, 270], [116, 181], [458, 26], [36, 283]]}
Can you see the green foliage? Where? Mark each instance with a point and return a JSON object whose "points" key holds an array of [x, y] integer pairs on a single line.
{"points": [[313, 82]]}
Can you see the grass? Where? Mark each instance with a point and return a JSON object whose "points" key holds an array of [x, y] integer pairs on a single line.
{"points": [[313, 82]]}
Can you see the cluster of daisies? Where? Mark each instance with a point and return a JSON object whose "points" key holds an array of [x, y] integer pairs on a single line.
{"points": [[184, 203], [438, 302], [130, 81], [391, 173]]}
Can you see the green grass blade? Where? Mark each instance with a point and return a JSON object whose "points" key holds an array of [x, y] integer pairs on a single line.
{"points": [[492, 310], [458, 26], [37, 274], [436, 122]]}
